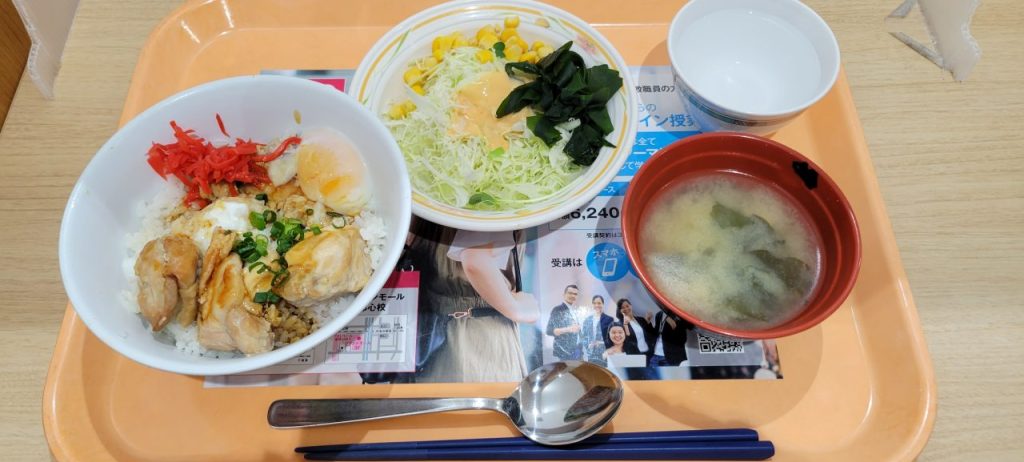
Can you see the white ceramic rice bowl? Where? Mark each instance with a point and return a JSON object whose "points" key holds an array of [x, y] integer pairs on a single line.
{"points": [[101, 211]]}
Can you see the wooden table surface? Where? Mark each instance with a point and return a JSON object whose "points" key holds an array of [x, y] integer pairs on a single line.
{"points": [[949, 157]]}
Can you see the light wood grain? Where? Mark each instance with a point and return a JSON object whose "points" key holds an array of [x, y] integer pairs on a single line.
{"points": [[14, 46], [948, 156]]}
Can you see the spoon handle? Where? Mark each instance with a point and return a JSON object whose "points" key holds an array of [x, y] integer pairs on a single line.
{"points": [[294, 413]]}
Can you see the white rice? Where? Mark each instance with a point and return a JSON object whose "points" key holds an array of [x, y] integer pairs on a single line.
{"points": [[373, 231], [186, 340], [153, 224]]}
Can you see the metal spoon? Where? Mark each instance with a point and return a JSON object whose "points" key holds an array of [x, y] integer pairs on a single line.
{"points": [[558, 403]]}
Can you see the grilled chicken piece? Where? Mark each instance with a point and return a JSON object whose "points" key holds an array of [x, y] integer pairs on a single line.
{"points": [[224, 323], [166, 269], [326, 265]]}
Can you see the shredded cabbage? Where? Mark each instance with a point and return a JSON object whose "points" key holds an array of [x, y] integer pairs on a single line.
{"points": [[461, 170]]}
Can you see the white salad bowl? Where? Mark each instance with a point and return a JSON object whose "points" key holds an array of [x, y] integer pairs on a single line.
{"points": [[104, 207], [378, 84]]}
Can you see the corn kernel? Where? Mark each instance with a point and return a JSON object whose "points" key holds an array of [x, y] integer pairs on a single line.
{"points": [[412, 75], [537, 45], [486, 30], [430, 62], [446, 42], [419, 89], [529, 56], [458, 40], [408, 106], [519, 41], [513, 52], [484, 56], [509, 32], [488, 41], [396, 112], [544, 51], [441, 45], [512, 21]]}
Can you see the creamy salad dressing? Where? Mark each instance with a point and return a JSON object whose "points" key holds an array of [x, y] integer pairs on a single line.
{"points": [[475, 106]]}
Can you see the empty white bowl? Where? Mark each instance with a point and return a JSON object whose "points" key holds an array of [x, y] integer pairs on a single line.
{"points": [[103, 208], [751, 65]]}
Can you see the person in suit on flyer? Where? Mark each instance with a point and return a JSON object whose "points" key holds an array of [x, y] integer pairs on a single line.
{"points": [[564, 327], [594, 335], [670, 340], [640, 336]]}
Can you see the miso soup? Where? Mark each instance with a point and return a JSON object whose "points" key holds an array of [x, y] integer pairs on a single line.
{"points": [[731, 251]]}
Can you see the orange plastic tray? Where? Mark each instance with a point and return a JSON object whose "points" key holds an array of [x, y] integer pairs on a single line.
{"points": [[858, 387]]}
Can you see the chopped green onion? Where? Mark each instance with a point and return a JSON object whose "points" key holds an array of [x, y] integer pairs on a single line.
{"points": [[260, 267], [257, 221], [309, 212], [261, 244], [269, 216], [280, 277], [266, 297], [341, 219], [262, 197], [316, 230], [287, 232], [334, 214], [251, 248]]}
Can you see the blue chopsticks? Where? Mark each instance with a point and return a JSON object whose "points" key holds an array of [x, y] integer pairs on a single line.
{"points": [[681, 436], [732, 450], [723, 444]]}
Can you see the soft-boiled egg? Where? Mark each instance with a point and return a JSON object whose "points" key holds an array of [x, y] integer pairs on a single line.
{"points": [[330, 170]]}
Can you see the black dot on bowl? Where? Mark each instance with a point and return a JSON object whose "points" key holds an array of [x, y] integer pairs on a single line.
{"points": [[807, 174]]}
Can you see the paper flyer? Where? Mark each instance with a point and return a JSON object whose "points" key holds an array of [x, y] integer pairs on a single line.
{"points": [[566, 291]]}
